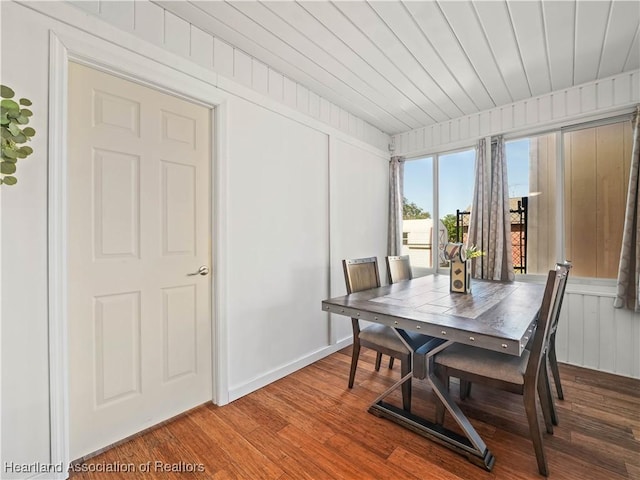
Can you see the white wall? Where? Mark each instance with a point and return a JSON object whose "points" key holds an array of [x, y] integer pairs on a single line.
{"points": [[280, 172], [356, 199], [277, 261], [591, 333]]}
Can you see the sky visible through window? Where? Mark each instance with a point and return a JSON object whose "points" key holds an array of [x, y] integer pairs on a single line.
{"points": [[457, 178]]}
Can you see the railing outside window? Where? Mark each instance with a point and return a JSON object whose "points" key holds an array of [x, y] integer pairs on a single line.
{"points": [[518, 231]]}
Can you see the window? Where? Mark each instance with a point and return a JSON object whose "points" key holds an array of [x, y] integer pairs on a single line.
{"points": [[417, 212], [531, 170], [455, 174], [571, 207], [456, 178], [592, 191], [596, 178]]}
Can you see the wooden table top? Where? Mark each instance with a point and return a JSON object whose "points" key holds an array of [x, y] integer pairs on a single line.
{"points": [[495, 315]]}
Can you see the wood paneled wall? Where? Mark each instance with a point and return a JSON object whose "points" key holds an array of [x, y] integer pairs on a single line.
{"points": [[541, 221], [596, 178]]}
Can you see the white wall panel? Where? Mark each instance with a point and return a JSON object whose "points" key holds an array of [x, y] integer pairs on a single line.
{"points": [[177, 34], [201, 47], [302, 98], [344, 120], [23, 243], [622, 90], [149, 21], [242, 68], [120, 14], [314, 105], [325, 110], [335, 116], [359, 188], [593, 334], [260, 76], [279, 222], [290, 93], [276, 85], [223, 57]]}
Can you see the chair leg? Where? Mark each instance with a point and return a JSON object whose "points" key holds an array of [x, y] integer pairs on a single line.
{"points": [[390, 362], [405, 369], [546, 402], [354, 361], [440, 410], [552, 405], [378, 361], [534, 428], [553, 362]]}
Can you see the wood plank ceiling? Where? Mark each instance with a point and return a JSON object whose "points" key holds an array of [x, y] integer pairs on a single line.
{"points": [[402, 65]]}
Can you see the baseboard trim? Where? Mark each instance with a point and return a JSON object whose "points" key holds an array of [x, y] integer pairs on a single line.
{"points": [[254, 384]]}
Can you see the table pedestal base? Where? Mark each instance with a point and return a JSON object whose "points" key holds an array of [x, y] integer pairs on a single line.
{"points": [[434, 432]]}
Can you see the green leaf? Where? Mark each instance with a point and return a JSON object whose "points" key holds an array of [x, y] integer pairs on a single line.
{"points": [[9, 153], [14, 129], [29, 132], [26, 150], [7, 168], [10, 160], [10, 104], [25, 112], [25, 101], [9, 180], [20, 154], [4, 120], [22, 120], [6, 92], [19, 138]]}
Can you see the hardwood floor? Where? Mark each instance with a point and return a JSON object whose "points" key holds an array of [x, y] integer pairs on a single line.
{"points": [[309, 425]]}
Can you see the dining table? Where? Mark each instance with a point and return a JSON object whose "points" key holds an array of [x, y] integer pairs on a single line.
{"points": [[494, 315]]}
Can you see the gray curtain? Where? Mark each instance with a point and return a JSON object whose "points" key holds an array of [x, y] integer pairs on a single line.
{"points": [[628, 285], [490, 222], [396, 178]]}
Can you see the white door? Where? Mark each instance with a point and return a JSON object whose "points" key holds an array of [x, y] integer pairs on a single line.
{"points": [[139, 324]]}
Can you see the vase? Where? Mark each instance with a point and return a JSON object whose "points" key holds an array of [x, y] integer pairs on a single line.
{"points": [[460, 276]]}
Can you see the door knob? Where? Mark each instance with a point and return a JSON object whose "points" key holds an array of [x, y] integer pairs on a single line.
{"points": [[203, 270]]}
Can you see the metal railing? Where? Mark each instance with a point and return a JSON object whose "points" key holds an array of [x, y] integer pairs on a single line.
{"points": [[518, 232]]}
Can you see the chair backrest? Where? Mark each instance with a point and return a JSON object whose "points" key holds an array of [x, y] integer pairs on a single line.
{"points": [[555, 281], [398, 268], [361, 274], [563, 285]]}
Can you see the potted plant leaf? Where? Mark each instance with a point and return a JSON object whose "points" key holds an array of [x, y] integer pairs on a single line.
{"points": [[14, 118]]}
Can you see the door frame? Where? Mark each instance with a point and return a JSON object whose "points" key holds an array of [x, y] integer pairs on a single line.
{"points": [[157, 71]]}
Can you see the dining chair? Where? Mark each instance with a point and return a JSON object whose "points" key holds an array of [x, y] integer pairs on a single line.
{"points": [[525, 375], [551, 353], [398, 268], [362, 274]]}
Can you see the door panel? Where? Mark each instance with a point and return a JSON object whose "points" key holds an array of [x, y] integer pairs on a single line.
{"points": [[139, 213]]}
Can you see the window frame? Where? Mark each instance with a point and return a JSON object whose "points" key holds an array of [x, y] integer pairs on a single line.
{"points": [[588, 285], [435, 265]]}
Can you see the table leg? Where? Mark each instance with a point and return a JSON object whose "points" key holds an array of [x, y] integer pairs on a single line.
{"points": [[470, 444]]}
